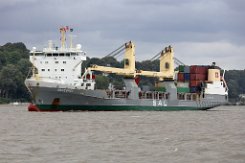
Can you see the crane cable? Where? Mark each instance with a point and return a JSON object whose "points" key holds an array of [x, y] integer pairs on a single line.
{"points": [[178, 62], [116, 52], [157, 56]]}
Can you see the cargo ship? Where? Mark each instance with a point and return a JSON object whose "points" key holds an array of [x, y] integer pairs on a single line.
{"points": [[57, 83]]}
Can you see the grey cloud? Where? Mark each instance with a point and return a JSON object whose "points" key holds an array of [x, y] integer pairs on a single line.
{"points": [[101, 25]]}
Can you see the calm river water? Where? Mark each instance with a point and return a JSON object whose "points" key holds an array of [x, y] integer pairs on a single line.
{"points": [[217, 135]]}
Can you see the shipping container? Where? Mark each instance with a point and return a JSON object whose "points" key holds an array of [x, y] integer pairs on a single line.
{"points": [[198, 77], [183, 84], [181, 77], [186, 76], [195, 83], [181, 68], [183, 90], [194, 89], [187, 69], [194, 69]]}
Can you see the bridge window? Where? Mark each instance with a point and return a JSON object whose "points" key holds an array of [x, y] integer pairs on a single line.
{"points": [[62, 70], [68, 54], [38, 54], [43, 69], [56, 62], [49, 55], [55, 54], [167, 65], [62, 54], [74, 54], [64, 62]]}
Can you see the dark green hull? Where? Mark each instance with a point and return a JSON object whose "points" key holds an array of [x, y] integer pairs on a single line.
{"points": [[111, 108]]}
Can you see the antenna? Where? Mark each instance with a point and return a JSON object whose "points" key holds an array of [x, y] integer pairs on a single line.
{"points": [[71, 38]]}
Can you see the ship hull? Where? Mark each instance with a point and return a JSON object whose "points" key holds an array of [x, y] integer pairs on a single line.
{"points": [[68, 99]]}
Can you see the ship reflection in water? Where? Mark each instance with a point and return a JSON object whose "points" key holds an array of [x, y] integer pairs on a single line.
{"points": [[178, 136]]}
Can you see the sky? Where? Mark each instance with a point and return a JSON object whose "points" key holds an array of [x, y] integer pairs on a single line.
{"points": [[200, 31]]}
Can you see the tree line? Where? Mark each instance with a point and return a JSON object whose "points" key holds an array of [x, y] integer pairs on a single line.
{"points": [[14, 68]]}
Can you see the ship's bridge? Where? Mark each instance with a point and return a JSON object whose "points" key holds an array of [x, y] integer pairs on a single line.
{"points": [[58, 63]]}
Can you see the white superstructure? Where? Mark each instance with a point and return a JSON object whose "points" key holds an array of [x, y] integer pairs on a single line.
{"points": [[216, 84], [60, 65]]}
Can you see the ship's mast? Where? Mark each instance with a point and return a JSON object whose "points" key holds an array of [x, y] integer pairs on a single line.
{"points": [[63, 36], [63, 31]]}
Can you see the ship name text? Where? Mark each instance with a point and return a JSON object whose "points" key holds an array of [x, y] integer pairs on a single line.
{"points": [[65, 90]]}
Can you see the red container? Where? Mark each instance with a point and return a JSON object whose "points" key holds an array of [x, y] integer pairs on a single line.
{"points": [[181, 77], [195, 69], [195, 83], [198, 77]]}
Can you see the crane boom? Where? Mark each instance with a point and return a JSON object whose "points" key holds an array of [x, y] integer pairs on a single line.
{"points": [[112, 70]]}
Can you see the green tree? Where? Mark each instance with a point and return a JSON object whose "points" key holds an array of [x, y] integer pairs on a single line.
{"points": [[235, 80], [110, 61], [11, 81], [14, 66], [2, 59], [24, 66]]}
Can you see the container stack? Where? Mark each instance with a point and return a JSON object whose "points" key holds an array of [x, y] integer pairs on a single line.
{"points": [[198, 75], [183, 79], [190, 78]]}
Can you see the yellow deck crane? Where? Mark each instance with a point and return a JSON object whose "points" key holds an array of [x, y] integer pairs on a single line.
{"points": [[166, 66], [129, 62], [129, 70]]}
